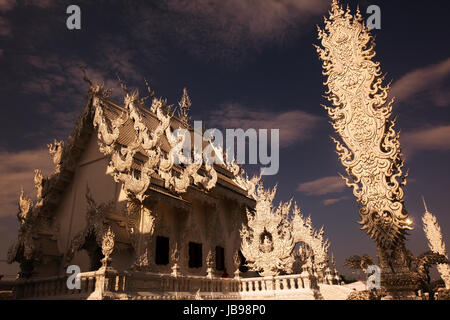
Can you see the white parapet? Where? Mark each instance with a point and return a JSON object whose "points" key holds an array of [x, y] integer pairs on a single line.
{"points": [[109, 284]]}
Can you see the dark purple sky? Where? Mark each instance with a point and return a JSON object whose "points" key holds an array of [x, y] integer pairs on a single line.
{"points": [[250, 63]]}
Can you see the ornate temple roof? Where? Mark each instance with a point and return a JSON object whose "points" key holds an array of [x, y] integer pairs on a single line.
{"points": [[127, 135]]}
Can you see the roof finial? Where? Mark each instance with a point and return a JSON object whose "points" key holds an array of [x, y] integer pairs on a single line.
{"points": [[183, 107]]}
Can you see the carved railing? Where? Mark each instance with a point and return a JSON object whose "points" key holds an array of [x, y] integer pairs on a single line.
{"points": [[54, 287], [126, 285], [181, 287], [109, 284], [276, 283]]}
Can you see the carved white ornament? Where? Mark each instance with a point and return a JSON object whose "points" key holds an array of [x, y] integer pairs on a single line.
{"points": [[148, 142], [267, 242], [434, 235], [270, 237], [96, 224], [108, 243], [27, 219], [361, 117], [56, 151], [303, 231]]}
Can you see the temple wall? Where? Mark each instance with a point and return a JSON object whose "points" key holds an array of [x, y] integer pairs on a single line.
{"points": [[208, 223], [71, 214]]}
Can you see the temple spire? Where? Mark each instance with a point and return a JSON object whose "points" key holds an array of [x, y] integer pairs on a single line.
{"points": [[425, 204]]}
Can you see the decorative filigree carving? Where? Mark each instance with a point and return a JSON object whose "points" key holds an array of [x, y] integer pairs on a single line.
{"points": [[175, 258], [361, 116], [304, 232], [175, 254], [108, 243], [183, 108], [25, 208], [337, 278], [267, 242], [434, 235], [56, 151], [210, 259], [304, 258], [238, 173], [141, 226], [133, 214], [27, 231], [236, 260], [209, 264], [96, 223], [41, 184], [247, 184]]}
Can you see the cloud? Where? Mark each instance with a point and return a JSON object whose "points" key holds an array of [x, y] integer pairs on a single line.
{"points": [[17, 171], [426, 139], [40, 3], [322, 186], [7, 5], [329, 202], [423, 81], [440, 96], [225, 31], [295, 126], [60, 81], [5, 27], [258, 18]]}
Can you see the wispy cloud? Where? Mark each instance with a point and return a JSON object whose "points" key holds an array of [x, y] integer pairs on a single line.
{"points": [[16, 171], [60, 81], [262, 19], [5, 27], [426, 139], [322, 186], [40, 3], [424, 81], [225, 31], [295, 126], [329, 202], [7, 5]]}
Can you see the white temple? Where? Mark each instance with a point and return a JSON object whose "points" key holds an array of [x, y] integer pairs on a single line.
{"points": [[140, 226]]}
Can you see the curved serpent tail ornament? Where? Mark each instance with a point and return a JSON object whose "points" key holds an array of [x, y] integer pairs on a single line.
{"points": [[370, 151]]}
